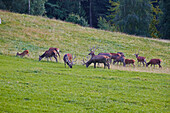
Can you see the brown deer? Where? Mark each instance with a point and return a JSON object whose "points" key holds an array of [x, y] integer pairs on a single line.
{"points": [[56, 49], [130, 61], [49, 54], [97, 59], [111, 55], [120, 59], [140, 59], [23, 53], [154, 62], [69, 60]]}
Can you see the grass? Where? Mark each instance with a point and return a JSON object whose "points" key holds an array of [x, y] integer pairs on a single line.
{"points": [[27, 85], [37, 34], [31, 86]]}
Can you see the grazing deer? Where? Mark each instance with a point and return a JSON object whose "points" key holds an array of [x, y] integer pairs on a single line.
{"points": [[154, 62], [130, 61], [111, 55], [49, 54], [23, 53], [56, 49], [97, 59], [140, 59], [120, 59], [69, 60]]}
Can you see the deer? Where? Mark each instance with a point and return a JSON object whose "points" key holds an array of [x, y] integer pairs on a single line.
{"points": [[48, 54], [121, 53], [97, 59], [23, 53], [120, 59], [69, 60], [154, 62], [130, 61], [111, 55], [56, 49], [140, 59]]}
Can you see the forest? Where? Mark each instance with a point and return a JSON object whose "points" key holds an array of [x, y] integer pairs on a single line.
{"points": [[147, 18]]}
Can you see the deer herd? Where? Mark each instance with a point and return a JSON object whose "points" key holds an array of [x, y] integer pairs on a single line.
{"points": [[105, 58]]}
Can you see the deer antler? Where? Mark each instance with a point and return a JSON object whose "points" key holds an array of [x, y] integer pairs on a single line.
{"points": [[84, 62], [91, 48], [96, 48]]}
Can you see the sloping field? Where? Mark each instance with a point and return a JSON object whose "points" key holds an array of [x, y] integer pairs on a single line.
{"points": [[30, 86], [19, 32], [27, 85]]}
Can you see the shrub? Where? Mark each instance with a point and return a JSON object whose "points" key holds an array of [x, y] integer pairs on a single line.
{"points": [[77, 20]]}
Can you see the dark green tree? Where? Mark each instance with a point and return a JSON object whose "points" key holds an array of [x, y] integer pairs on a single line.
{"points": [[133, 17], [154, 25], [165, 19], [22, 6]]}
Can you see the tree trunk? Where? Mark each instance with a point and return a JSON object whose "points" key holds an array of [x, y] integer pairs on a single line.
{"points": [[28, 6], [90, 10]]}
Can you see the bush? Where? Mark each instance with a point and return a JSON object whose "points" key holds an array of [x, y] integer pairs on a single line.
{"points": [[77, 20], [104, 25]]}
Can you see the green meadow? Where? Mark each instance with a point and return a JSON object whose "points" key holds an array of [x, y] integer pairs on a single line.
{"points": [[27, 85], [32, 86]]}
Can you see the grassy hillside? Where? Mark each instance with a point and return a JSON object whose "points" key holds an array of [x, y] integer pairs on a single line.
{"points": [[30, 86], [27, 85], [19, 32]]}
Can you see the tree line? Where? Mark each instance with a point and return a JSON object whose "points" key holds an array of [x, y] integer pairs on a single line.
{"points": [[149, 18]]}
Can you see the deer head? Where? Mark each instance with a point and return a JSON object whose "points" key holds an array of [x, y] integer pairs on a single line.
{"points": [[92, 50]]}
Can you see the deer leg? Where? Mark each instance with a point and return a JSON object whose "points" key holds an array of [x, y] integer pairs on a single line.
{"points": [[65, 64], [108, 65], [56, 58], [143, 64], [114, 62], [94, 65], [124, 64], [160, 66]]}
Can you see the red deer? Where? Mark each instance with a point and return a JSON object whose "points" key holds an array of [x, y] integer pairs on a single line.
{"points": [[140, 59], [56, 49], [48, 54], [97, 59], [120, 59], [23, 53], [69, 60], [111, 55], [121, 53], [154, 62], [130, 61]]}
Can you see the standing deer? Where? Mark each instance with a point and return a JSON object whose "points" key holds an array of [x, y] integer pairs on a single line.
{"points": [[140, 59], [120, 59], [97, 59], [69, 60], [56, 49], [111, 55], [154, 62], [49, 54], [23, 53], [130, 61]]}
